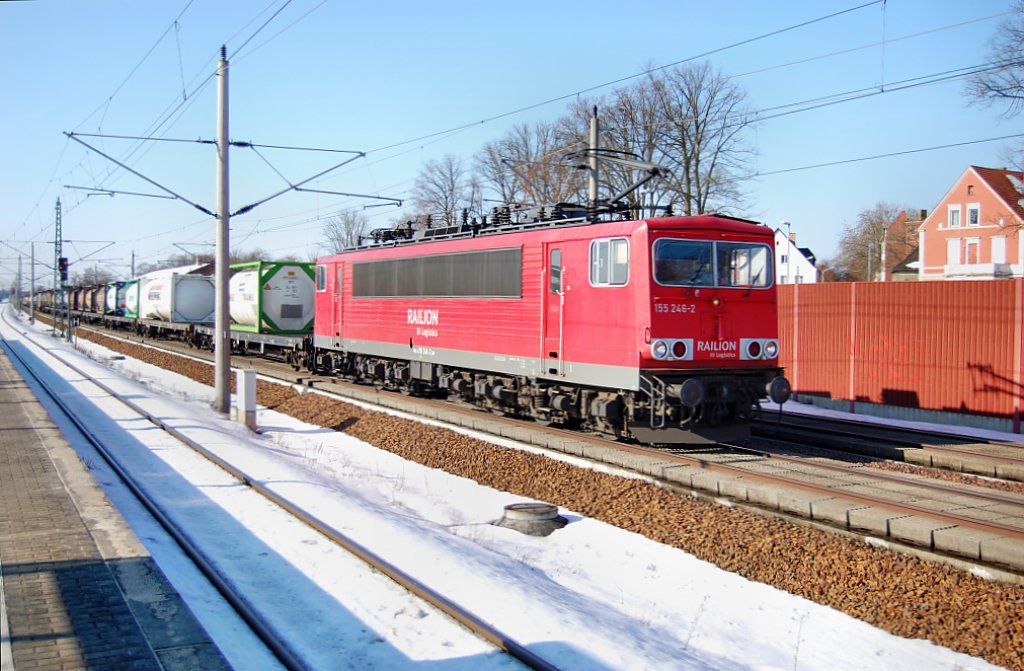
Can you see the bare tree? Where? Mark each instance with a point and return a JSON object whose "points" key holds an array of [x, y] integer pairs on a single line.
{"points": [[859, 256], [633, 129], [528, 166], [174, 261], [702, 137], [1003, 84], [829, 271], [689, 119], [92, 275], [621, 136], [494, 166], [243, 256], [541, 155], [344, 230], [443, 188]]}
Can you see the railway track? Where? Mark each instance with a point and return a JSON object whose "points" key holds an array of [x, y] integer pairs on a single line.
{"points": [[939, 449], [223, 581], [939, 520]]}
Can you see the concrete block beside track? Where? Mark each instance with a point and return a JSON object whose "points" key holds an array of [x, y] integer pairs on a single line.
{"points": [[737, 488], [1010, 472], [874, 520], [773, 497], [961, 542], [914, 529], [836, 510], [1003, 552]]}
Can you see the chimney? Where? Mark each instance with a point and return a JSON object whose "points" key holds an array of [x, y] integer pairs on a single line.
{"points": [[792, 238]]}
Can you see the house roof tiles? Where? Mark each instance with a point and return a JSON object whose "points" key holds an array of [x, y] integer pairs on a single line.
{"points": [[1007, 184]]}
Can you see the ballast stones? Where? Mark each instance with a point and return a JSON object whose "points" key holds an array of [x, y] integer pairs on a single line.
{"points": [[533, 519]]}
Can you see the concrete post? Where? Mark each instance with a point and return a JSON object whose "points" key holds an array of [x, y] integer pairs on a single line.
{"points": [[245, 384]]}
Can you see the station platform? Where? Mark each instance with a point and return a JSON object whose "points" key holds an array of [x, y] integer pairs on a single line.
{"points": [[78, 590]]}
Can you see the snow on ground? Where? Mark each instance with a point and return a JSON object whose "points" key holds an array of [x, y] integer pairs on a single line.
{"points": [[590, 596]]}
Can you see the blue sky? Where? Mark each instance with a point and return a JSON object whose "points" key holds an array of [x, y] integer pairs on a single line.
{"points": [[366, 76]]}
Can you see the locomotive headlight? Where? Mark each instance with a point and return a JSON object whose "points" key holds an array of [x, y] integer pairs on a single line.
{"points": [[659, 348], [771, 349]]}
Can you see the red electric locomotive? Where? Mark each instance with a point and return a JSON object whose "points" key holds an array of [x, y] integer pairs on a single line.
{"points": [[660, 330]]}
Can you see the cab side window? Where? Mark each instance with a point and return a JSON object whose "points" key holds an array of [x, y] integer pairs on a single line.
{"points": [[609, 262], [321, 278], [556, 271]]}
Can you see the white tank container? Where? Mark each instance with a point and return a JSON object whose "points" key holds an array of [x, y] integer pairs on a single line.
{"points": [[171, 297], [115, 298], [272, 297], [131, 298]]}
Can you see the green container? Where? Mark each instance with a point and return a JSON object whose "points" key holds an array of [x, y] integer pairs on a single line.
{"points": [[272, 297], [131, 298]]}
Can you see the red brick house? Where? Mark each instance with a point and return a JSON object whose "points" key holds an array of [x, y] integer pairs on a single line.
{"points": [[902, 237], [974, 232]]}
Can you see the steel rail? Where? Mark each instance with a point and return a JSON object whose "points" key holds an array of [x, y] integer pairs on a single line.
{"points": [[807, 425], [798, 423], [896, 506], [289, 659], [475, 624]]}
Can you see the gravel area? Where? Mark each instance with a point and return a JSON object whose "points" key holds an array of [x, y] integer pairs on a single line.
{"points": [[901, 594]]}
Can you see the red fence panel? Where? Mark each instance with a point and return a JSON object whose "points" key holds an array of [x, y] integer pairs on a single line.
{"points": [[944, 346]]}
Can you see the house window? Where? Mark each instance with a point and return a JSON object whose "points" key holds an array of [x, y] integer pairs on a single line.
{"points": [[609, 262], [953, 251], [999, 249], [974, 214], [954, 216], [970, 189]]}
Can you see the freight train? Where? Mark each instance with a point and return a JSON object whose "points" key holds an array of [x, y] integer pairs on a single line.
{"points": [[271, 306], [660, 330]]}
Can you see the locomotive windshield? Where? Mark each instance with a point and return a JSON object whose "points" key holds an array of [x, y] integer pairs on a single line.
{"points": [[702, 263]]}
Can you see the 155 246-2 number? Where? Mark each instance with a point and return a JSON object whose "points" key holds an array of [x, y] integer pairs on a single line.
{"points": [[675, 308]]}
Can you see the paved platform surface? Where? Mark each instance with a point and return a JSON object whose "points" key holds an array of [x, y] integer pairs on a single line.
{"points": [[78, 590]]}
